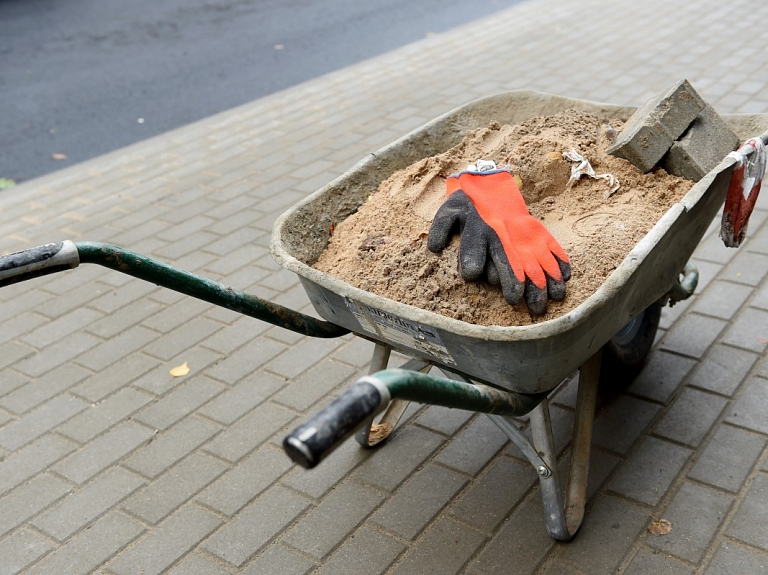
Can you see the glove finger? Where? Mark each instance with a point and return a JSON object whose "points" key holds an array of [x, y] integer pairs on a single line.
{"points": [[565, 269], [474, 246], [452, 214], [555, 288], [511, 287], [490, 272], [535, 298]]}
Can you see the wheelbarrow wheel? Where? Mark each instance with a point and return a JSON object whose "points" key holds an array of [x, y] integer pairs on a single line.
{"points": [[625, 354]]}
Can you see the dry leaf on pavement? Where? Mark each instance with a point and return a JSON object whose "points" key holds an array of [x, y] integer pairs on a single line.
{"points": [[659, 527], [180, 370]]}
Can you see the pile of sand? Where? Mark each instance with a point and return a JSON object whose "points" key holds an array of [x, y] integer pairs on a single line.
{"points": [[382, 248]]}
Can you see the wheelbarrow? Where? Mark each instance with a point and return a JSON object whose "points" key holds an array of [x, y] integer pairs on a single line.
{"points": [[504, 372]]}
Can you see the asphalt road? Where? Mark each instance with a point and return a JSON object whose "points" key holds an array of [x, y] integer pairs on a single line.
{"points": [[80, 78]]}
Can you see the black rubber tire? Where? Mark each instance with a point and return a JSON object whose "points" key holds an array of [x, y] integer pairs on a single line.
{"points": [[625, 354]]}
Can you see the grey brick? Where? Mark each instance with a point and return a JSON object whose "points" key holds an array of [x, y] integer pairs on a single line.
{"points": [[121, 373], [62, 327], [301, 357], [492, 496], [39, 421], [249, 432], [404, 452], [661, 376], [693, 335], [243, 483], [731, 558], [114, 299], [445, 548], [86, 504], [101, 416], [257, 524], [124, 318], [519, 546], [647, 561], [649, 472], [181, 340], [367, 551], [622, 423], [278, 559], [179, 403], [690, 417], [245, 361], [176, 315], [103, 452], [91, 547], [473, 447], [443, 419], [43, 388], [417, 502], [28, 500], [314, 385], [728, 458], [24, 464], [749, 330], [722, 299], [163, 546], [750, 409], [55, 355], [100, 357], [604, 539], [723, 369], [158, 379], [748, 524], [339, 513], [194, 564], [171, 445], [233, 336], [11, 380], [357, 352], [746, 268], [174, 488], [20, 549], [229, 406], [695, 513]]}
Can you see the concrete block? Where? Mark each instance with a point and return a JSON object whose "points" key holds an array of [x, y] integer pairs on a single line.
{"points": [[701, 148], [655, 126]]}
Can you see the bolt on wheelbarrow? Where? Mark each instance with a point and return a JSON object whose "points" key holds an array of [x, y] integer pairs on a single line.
{"points": [[505, 372]]}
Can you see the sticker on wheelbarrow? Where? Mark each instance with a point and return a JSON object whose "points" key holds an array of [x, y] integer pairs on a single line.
{"points": [[395, 329]]}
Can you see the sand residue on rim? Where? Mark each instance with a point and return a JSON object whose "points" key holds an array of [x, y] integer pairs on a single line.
{"points": [[382, 248]]}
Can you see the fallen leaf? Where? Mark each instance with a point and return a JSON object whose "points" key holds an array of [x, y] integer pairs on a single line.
{"points": [[58, 156], [659, 527], [180, 370]]}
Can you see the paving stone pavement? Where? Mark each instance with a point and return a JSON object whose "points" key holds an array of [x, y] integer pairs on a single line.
{"points": [[110, 465]]}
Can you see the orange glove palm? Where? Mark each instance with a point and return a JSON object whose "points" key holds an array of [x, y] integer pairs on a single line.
{"points": [[494, 221]]}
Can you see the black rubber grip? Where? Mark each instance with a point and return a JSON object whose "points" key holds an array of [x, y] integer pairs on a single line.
{"points": [[31, 256], [36, 262], [309, 443]]}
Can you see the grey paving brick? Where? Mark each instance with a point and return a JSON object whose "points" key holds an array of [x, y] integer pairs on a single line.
{"points": [[99, 385], [163, 546], [731, 558], [493, 495], [39, 421], [242, 398], [661, 376], [690, 417], [695, 513], [314, 384], [233, 336], [417, 502], [339, 513], [367, 551], [728, 458], [28, 500], [748, 524], [43, 388], [722, 299], [11, 380], [245, 360], [444, 420], [605, 537], [749, 410], [81, 507], [125, 295], [446, 548], [103, 415], [749, 330], [62, 327], [473, 447], [177, 314], [21, 465], [650, 471], [100, 357], [357, 351], [54, 355], [723, 369], [647, 561], [400, 456], [171, 445], [19, 325], [519, 546], [692, 335], [91, 547], [180, 402], [747, 268], [195, 564], [622, 423], [170, 345], [256, 525], [103, 452], [158, 379], [278, 559], [20, 549], [301, 357], [174, 488], [250, 431], [243, 483]]}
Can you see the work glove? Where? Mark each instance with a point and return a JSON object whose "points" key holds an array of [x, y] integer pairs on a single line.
{"points": [[493, 221]]}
